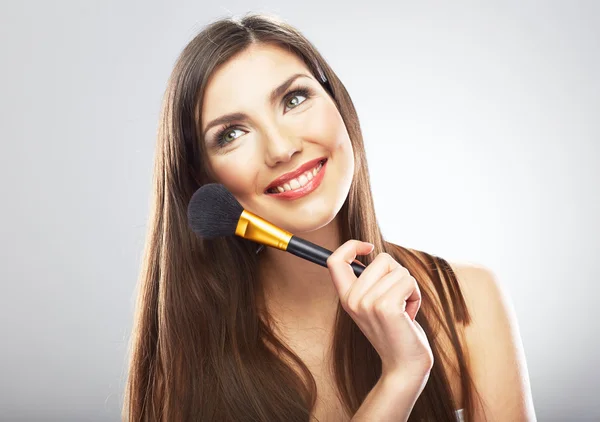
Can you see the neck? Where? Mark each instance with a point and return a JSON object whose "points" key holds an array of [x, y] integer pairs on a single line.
{"points": [[297, 291]]}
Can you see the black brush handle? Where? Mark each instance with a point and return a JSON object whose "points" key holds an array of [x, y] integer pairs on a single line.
{"points": [[315, 253]]}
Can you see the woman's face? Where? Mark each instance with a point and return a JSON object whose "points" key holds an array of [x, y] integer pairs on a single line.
{"points": [[276, 134]]}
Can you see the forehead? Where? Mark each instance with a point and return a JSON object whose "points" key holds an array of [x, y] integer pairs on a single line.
{"points": [[245, 80]]}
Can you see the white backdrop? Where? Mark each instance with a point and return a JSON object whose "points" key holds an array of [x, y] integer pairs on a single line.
{"points": [[482, 134]]}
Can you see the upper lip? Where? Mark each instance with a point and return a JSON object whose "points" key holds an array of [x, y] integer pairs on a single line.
{"points": [[295, 173]]}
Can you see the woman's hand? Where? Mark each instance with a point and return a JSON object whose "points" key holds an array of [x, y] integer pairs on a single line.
{"points": [[384, 302]]}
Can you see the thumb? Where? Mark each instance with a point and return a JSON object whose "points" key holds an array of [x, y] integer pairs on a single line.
{"points": [[420, 331], [339, 262]]}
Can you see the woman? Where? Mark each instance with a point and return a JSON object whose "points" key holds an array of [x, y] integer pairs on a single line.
{"points": [[226, 331]]}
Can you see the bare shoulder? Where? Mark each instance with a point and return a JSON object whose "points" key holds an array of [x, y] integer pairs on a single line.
{"points": [[494, 346], [488, 303], [479, 285]]}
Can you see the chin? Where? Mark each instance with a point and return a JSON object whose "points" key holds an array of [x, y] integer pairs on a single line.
{"points": [[307, 226], [309, 219]]}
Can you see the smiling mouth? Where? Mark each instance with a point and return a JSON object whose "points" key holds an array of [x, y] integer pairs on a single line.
{"points": [[298, 182]]}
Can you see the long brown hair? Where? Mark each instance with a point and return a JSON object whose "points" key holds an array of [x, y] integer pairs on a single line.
{"points": [[200, 347]]}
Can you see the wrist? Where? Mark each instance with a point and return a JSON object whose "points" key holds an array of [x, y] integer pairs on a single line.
{"points": [[391, 399], [404, 382]]}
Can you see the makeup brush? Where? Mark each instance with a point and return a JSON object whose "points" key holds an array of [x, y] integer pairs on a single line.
{"points": [[213, 211]]}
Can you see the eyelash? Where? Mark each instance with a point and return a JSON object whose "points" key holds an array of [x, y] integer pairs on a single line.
{"points": [[303, 91]]}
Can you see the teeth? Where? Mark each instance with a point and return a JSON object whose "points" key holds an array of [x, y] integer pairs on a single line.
{"points": [[302, 180]]}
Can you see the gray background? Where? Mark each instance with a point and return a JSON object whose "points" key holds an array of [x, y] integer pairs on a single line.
{"points": [[482, 133]]}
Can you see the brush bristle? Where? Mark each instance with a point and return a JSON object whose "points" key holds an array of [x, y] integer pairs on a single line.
{"points": [[213, 211]]}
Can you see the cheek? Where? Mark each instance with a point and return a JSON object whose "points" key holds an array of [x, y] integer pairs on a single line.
{"points": [[325, 126], [237, 171]]}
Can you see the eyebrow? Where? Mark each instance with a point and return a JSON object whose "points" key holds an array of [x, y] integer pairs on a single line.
{"points": [[276, 93]]}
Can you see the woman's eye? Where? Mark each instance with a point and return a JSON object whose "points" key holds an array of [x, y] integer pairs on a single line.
{"points": [[228, 136], [294, 100]]}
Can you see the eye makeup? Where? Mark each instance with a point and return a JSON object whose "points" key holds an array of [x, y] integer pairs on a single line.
{"points": [[218, 139]]}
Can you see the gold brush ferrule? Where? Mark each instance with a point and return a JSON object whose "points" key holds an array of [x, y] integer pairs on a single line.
{"points": [[252, 227]]}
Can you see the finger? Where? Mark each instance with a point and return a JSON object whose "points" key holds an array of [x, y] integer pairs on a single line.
{"points": [[339, 267], [403, 296], [413, 302], [420, 330], [379, 288], [422, 334], [382, 265]]}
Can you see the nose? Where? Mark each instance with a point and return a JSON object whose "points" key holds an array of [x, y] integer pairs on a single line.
{"points": [[281, 147]]}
